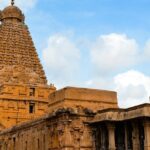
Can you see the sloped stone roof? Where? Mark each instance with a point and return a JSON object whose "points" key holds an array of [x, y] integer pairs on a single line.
{"points": [[19, 61]]}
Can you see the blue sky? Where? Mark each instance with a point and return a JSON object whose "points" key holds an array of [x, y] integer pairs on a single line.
{"points": [[91, 18], [102, 44]]}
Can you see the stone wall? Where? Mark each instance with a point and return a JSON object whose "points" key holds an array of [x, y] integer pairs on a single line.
{"points": [[62, 130], [20, 103], [76, 98]]}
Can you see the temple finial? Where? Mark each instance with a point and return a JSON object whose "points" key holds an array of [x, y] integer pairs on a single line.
{"points": [[12, 2]]}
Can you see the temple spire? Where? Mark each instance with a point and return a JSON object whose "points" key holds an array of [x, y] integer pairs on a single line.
{"points": [[12, 2], [17, 50]]}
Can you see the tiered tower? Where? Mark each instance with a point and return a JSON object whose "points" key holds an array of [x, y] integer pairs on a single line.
{"points": [[23, 85]]}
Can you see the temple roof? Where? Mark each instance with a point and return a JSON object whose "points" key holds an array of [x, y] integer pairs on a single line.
{"points": [[19, 62], [12, 12]]}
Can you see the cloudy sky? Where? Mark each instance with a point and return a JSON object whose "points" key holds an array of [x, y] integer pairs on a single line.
{"points": [[102, 44]]}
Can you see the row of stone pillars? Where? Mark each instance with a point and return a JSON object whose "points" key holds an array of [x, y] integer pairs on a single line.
{"points": [[133, 135]]}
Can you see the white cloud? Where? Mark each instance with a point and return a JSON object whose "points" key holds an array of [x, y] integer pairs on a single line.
{"points": [[100, 83], [23, 4], [112, 52], [133, 88], [61, 59], [147, 50]]}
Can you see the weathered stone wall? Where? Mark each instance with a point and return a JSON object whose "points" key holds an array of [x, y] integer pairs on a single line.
{"points": [[82, 98], [23, 85], [77, 129], [16, 102], [63, 130], [113, 114]]}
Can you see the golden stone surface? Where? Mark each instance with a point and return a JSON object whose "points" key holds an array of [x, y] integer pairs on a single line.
{"points": [[23, 85], [82, 98], [36, 116], [19, 62], [11, 12]]}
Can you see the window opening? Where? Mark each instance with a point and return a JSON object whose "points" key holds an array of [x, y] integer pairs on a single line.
{"points": [[31, 108], [32, 92]]}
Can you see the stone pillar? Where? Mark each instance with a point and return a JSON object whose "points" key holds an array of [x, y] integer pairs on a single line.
{"points": [[111, 136], [147, 134], [135, 136]]}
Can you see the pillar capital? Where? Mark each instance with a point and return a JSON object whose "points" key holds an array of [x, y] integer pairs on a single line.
{"points": [[111, 126], [146, 123]]}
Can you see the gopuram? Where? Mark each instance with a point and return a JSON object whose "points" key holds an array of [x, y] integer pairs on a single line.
{"points": [[37, 116]]}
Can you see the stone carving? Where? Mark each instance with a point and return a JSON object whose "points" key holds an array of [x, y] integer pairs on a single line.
{"points": [[88, 111], [61, 135], [17, 50], [19, 75], [77, 129], [76, 133], [64, 110]]}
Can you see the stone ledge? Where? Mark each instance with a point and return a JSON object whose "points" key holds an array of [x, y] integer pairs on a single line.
{"points": [[122, 114]]}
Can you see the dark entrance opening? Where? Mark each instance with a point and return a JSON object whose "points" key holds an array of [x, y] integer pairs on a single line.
{"points": [[141, 136], [101, 137], [120, 136], [31, 108], [129, 130]]}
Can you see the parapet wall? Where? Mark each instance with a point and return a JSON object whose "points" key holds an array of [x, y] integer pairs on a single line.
{"points": [[82, 97]]}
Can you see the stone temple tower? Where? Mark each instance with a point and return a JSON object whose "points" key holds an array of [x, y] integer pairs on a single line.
{"points": [[23, 86]]}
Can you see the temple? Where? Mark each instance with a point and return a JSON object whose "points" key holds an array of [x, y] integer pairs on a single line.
{"points": [[23, 86], [37, 116]]}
